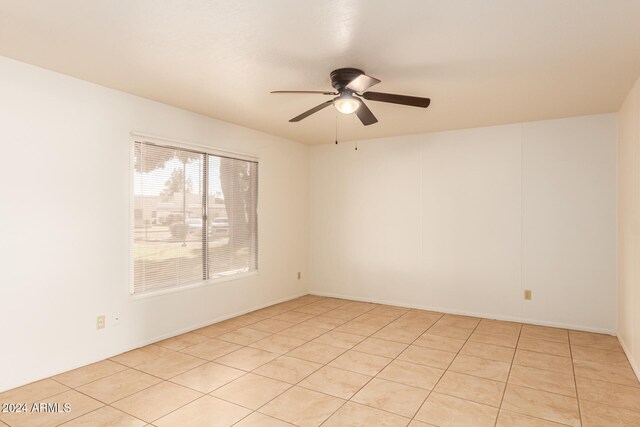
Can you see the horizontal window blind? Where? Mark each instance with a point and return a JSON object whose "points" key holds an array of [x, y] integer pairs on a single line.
{"points": [[195, 217], [232, 216]]}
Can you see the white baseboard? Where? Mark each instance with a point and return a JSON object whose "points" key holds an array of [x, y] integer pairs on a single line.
{"points": [[468, 313], [632, 362], [211, 322], [162, 337]]}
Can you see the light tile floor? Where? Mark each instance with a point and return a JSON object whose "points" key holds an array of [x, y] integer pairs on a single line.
{"points": [[324, 361]]}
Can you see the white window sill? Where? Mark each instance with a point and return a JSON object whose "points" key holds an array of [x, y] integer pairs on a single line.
{"points": [[213, 281]]}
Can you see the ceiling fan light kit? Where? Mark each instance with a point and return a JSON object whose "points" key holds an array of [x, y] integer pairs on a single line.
{"points": [[351, 85], [346, 103]]}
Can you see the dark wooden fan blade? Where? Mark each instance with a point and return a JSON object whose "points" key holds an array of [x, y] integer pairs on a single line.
{"points": [[311, 111], [365, 115], [362, 83], [413, 101], [305, 91]]}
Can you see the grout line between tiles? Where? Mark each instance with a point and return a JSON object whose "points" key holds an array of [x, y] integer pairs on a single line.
{"points": [[575, 381], [203, 394], [391, 315], [296, 385], [504, 391], [346, 350], [364, 385], [445, 370], [97, 409]]}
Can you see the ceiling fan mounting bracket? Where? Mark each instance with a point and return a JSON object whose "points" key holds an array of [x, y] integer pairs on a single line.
{"points": [[341, 77]]}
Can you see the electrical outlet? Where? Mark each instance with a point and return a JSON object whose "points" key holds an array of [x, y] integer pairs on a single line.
{"points": [[100, 322], [527, 294], [299, 275]]}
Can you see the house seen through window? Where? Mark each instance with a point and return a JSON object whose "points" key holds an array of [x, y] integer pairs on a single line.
{"points": [[194, 216]]}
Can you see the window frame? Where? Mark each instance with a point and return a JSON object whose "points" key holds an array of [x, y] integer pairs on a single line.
{"points": [[138, 137]]}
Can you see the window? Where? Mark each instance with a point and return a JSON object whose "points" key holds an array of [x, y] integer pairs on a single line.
{"points": [[195, 216]]}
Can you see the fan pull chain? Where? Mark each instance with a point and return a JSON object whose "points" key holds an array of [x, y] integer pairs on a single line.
{"points": [[337, 133]]}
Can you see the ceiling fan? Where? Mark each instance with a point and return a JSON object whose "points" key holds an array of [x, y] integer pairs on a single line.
{"points": [[351, 85]]}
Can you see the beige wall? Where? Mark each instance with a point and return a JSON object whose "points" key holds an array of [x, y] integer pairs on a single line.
{"points": [[629, 226], [65, 215], [463, 221]]}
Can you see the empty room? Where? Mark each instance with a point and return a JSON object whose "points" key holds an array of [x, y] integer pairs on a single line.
{"points": [[320, 213]]}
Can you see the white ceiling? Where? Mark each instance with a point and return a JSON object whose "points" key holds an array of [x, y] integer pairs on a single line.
{"points": [[481, 62]]}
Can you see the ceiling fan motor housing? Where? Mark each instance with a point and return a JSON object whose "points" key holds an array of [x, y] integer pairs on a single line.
{"points": [[341, 77]]}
